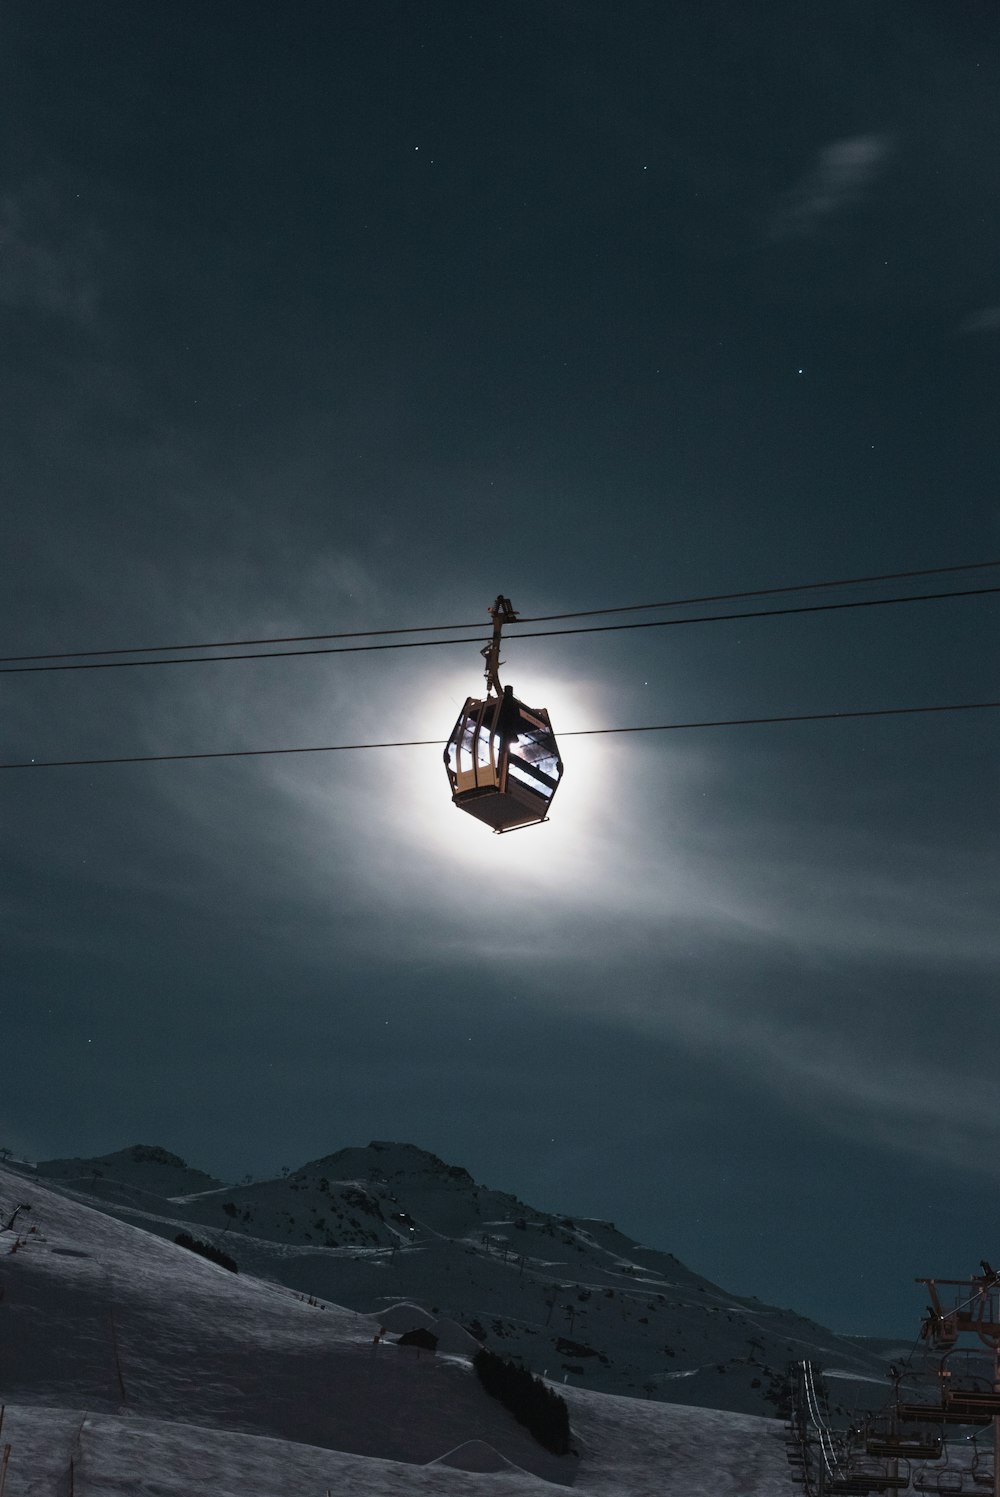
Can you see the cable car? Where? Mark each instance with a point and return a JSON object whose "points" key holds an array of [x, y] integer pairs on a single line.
{"points": [[503, 762], [502, 758]]}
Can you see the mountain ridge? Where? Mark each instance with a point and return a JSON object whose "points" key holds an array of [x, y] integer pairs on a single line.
{"points": [[570, 1297], [132, 1364]]}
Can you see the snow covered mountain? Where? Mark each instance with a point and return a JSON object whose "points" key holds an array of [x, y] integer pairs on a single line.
{"points": [[574, 1300], [128, 1365]]}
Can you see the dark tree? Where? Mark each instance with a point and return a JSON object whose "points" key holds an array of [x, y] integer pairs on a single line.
{"points": [[543, 1413], [206, 1250]]}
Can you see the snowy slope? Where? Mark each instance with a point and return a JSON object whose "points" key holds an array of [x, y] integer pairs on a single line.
{"points": [[575, 1299], [145, 1368]]}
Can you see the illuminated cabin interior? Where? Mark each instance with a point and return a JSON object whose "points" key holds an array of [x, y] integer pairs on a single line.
{"points": [[503, 762]]}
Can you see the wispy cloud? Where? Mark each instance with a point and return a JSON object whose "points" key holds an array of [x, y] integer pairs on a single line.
{"points": [[842, 174], [907, 1093], [985, 320], [48, 255]]}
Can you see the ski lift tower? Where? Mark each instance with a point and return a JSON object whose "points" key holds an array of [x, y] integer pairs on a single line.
{"points": [[975, 1312]]}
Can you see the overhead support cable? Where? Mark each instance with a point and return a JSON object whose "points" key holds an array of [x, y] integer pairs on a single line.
{"points": [[337, 748], [765, 592], [762, 592], [418, 644]]}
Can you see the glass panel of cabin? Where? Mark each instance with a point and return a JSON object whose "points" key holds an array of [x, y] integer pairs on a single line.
{"points": [[534, 758]]}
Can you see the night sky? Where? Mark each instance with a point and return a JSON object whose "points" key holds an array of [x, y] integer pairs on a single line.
{"points": [[323, 317]]}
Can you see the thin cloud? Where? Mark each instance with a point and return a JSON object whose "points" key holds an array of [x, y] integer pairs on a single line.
{"points": [[48, 257], [985, 320], [843, 173]]}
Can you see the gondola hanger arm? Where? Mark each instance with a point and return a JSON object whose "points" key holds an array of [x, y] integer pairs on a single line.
{"points": [[502, 612]]}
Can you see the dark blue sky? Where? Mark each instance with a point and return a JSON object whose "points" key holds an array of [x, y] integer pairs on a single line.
{"points": [[338, 317]]}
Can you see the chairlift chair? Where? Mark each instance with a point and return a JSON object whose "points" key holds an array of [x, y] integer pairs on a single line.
{"points": [[861, 1483], [952, 1412], [979, 1400], [942, 1483], [502, 758], [945, 1481], [921, 1448], [981, 1473]]}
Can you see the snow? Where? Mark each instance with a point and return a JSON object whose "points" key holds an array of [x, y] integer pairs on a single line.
{"points": [[452, 1337], [128, 1365], [475, 1455], [370, 1227]]}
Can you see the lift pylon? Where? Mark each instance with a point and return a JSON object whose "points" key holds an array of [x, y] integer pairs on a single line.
{"points": [[963, 1308]]}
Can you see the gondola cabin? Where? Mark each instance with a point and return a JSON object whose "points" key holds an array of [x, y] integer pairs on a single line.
{"points": [[503, 762]]}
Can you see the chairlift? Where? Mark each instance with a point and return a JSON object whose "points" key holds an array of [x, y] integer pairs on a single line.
{"points": [[981, 1473], [978, 1402], [952, 1411], [882, 1437], [892, 1444], [502, 759], [858, 1481], [859, 1474], [945, 1481], [966, 1400]]}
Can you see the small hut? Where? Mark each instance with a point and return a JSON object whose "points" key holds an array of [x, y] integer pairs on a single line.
{"points": [[420, 1338]]}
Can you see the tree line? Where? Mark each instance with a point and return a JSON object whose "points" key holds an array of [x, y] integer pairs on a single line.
{"points": [[533, 1404]]}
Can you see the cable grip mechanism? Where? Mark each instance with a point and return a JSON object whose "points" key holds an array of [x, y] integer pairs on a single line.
{"points": [[501, 612]]}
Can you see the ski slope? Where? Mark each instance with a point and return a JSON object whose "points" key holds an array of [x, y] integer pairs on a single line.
{"points": [[130, 1365]]}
